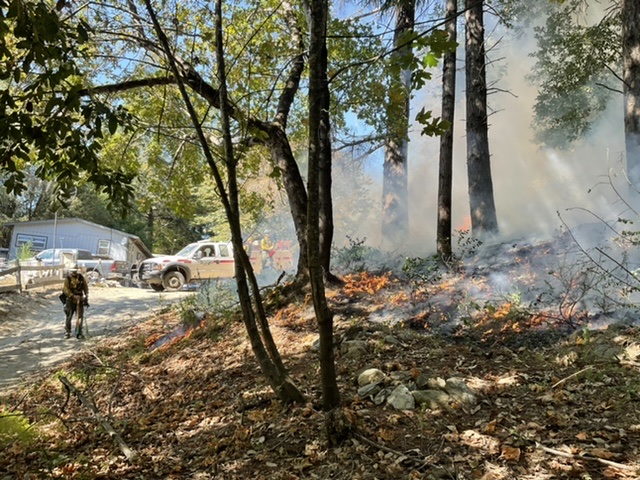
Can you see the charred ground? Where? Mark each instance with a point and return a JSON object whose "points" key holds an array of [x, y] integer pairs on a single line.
{"points": [[557, 397]]}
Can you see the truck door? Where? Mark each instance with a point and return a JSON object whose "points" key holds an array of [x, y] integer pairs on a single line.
{"points": [[205, 262], [225, 264]]}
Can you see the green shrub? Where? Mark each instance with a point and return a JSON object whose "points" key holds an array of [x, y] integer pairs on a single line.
{"points": [[357, 257], [14, 427], [421, 271], [25, 251]]}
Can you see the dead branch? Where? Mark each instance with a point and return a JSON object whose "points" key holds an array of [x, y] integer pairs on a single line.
{"points": [[622, 267], [615, 74], [590, 257], [375, 139], [619, 195], [418, 461], [66, 400], [560, 453], [607, 87], [571, 376], [630, 363], [17, 405], [128, 452]]}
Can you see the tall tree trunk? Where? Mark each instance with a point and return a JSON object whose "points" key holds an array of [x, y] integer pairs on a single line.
{"points": [[395, 189], [274, 372], [319, 158], [484, 220], [282, 156], [631, 59], [151, 223], [325, 199], [445, 178]]}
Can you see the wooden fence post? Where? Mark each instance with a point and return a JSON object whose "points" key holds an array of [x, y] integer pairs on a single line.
{"points": [[19, 275]]}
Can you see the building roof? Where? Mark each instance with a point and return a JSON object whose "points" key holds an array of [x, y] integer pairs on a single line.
{"points": [[133, 238]]}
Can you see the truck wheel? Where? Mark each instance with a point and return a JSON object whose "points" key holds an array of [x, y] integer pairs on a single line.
{"points": [[133, 275], [156, 287], [173, 281]]}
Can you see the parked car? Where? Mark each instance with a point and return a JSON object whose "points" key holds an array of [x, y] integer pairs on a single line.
{"points": [[96, 267], [196, 262]]}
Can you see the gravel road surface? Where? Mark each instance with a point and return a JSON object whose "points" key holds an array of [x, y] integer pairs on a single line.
{"points": [[32, 324]]}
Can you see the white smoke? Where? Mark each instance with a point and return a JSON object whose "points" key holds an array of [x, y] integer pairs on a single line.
{"points": [[531, 185]]}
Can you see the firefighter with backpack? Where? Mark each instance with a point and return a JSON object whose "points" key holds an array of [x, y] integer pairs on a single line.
{"points": [[76, 297]]}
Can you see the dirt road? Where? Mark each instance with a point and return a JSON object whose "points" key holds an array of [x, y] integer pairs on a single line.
{"points": [[32, 324]]}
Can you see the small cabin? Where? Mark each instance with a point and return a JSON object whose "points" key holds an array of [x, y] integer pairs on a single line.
{"points": [[76, 233]]}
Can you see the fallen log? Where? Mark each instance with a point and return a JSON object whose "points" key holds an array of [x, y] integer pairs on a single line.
{"points": [[128, 452]]}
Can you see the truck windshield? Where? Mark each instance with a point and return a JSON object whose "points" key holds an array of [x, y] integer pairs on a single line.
{"points": [[186, 251], [45, 255]]}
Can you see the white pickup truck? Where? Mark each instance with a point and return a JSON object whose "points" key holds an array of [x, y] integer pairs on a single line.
{"points": [[96, 267], [204, 260]]}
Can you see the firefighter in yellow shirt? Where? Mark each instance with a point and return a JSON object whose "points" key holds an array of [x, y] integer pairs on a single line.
{"points": [[268, 249]]}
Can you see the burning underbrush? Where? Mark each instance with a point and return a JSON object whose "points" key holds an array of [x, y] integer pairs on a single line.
{"points": [[548, 397], [555, 286]]}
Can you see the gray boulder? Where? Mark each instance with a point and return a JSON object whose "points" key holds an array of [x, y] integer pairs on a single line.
{"points": [[401, 399], [370, 390]]}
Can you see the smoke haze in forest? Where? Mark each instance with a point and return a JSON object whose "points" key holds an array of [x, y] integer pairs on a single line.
{"points": [[531, 184]]}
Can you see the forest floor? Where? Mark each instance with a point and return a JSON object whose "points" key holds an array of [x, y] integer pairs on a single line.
{"points": [[183, 398]]}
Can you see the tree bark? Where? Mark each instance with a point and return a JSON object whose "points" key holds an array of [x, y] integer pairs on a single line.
{"points": [[484, 220], [445, 177], [395, 189], [281, 148], [630, 14], [319, 157], [325, 199]]}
